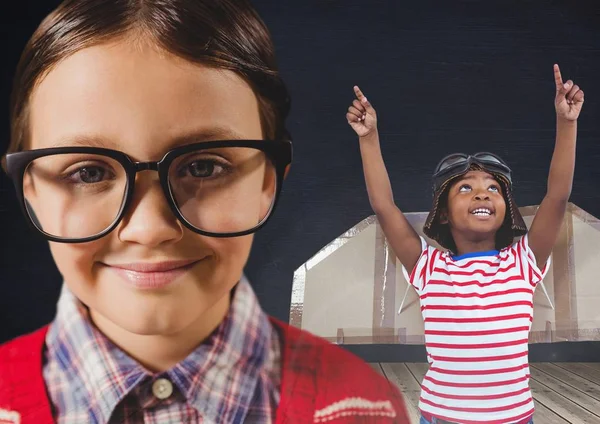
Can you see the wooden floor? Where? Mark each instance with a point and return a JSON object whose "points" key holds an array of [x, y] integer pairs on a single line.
{"points": [[562, 392]]}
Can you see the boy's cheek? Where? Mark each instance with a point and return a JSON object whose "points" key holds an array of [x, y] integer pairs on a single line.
{"points": [[75, 261], [232, 253]]}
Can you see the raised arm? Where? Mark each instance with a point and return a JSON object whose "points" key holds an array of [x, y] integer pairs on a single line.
{"points": [[403, 239], [549, 217]]}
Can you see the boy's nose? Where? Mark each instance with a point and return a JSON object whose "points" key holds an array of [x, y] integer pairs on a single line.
{"points": [[149, 220], [482, 196]]}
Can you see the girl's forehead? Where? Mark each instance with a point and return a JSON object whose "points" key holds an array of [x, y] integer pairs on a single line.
{"points": [[139, 99], [474, 175], [478, 174]]}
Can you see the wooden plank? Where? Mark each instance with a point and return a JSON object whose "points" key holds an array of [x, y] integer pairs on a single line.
{"points": [[398, 374], [592, 365], [581, 370], [560, 405], [574, 395], [545, 415], [573, 380], [377, 368], [418, 369]]}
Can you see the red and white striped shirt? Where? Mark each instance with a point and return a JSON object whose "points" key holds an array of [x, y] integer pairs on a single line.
{"points": [[478, 310]]}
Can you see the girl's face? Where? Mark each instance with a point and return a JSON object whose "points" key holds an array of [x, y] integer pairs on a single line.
{"points": [[144, 102], [476, 206]]}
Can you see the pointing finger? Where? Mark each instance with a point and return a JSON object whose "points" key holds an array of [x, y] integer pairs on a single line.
{"points": [[558, 78], [358, 92], [363, 100]]}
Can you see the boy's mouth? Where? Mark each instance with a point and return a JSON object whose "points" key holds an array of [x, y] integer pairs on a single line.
{"points": [[148, 267], [146, 275]]}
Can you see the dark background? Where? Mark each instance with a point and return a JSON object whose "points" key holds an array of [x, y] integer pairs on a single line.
{"points": [[443, 76]]}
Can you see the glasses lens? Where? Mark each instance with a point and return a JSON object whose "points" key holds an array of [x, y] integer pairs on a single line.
{"points": [[494, 162], [451, 161], [488, 157], [223, 190], [74, 196]]}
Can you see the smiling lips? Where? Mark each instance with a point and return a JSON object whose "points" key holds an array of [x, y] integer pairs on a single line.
{"points": [[147, 276], [482, 212]]}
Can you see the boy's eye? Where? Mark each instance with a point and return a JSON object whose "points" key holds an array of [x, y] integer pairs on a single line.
{"points": [[464, 188], [495, 189], [90, 174], [203, 169]]}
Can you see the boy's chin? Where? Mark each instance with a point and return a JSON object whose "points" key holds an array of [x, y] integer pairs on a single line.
{"points": [[151, 325], [141, 322], [166, 316]]}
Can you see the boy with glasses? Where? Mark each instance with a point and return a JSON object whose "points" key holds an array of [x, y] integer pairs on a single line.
{"points": [[148, 145]]}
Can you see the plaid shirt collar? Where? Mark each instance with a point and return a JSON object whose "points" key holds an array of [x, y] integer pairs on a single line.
{"points": [[219, 377]]}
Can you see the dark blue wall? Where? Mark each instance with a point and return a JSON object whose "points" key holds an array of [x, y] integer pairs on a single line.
{"points": [[444, 77]]}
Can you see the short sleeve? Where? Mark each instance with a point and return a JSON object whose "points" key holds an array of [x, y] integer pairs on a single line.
{"points": [[529, 268], [424, 267]]}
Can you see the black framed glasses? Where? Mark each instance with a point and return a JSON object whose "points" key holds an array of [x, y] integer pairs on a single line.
{"points": [[459, 163], [224, 188]]}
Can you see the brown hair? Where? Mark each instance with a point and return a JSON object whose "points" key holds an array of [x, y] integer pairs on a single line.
{"points": [[226, 34]]}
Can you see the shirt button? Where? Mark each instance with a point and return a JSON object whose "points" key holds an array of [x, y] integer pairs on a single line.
{"points": [[162, 388]]}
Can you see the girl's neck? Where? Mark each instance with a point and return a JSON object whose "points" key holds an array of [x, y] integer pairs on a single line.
{"points": [[464, 247]]}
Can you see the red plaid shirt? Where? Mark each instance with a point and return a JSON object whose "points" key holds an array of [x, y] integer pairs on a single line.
{"points": [[234, 376], [320, 383]]}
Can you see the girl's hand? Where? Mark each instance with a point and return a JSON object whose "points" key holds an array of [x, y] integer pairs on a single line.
{"points": [[569, 98], [361, 116]]}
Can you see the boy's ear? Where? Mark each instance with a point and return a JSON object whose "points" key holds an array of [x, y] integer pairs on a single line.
{"points": [[287, 170]]}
